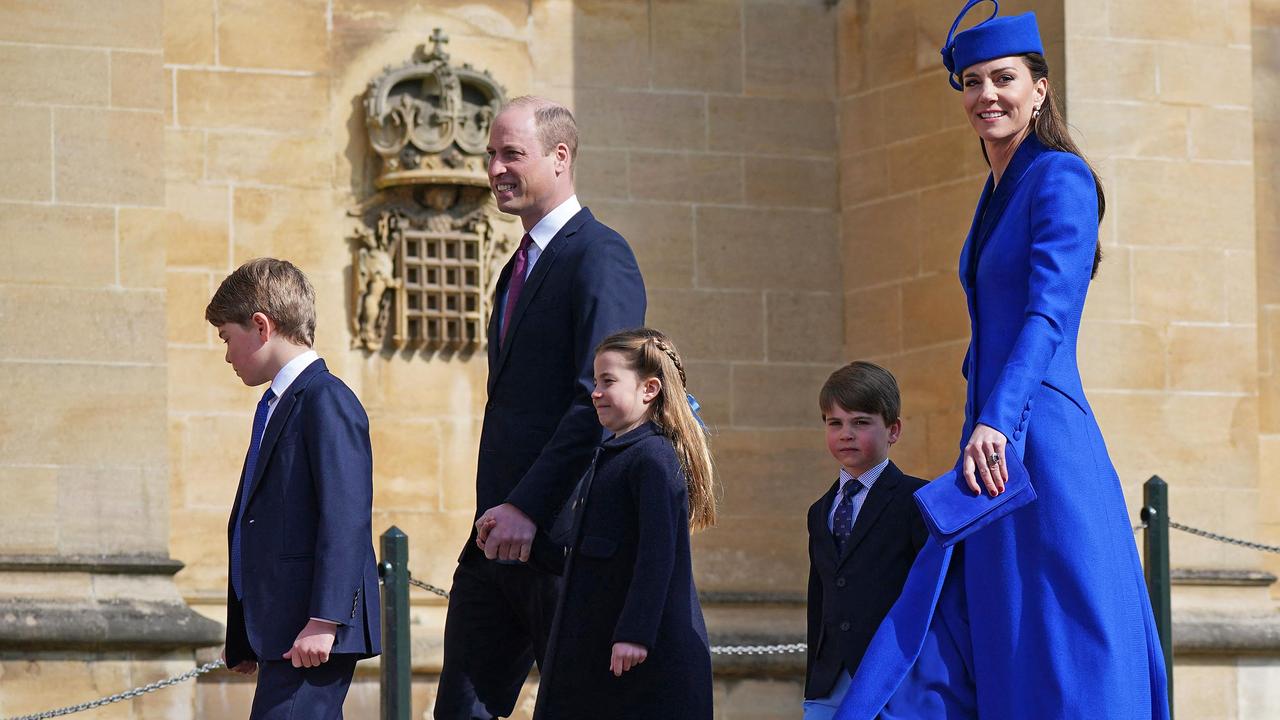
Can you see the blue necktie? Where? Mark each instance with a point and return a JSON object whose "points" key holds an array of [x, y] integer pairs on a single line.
{"points": [[842, 523], [259, 427]]}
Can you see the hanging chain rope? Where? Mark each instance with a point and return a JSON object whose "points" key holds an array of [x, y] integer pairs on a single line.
{"points": [[783, 649], [126, 695], [759, 649], [1225, 538], [715, 649], [429, 587]]}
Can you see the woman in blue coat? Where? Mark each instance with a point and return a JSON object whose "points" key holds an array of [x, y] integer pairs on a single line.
{"points": [[628, 641], [1041, 613]]}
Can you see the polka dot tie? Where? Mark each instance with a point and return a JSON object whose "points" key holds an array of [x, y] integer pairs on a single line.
{"points": [[842, 523]]}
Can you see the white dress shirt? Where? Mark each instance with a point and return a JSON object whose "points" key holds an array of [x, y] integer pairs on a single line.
{"points": [[867, 479], [543, 232], [285, 378]]}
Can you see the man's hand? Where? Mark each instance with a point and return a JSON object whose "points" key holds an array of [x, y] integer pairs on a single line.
{"points": [[626, 656], [245, 667], [505, 533], [311, 647]]}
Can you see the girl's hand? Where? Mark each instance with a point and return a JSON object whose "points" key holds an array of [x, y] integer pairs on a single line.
{"points": [[625, 657], [984, 444], [483, 526]]}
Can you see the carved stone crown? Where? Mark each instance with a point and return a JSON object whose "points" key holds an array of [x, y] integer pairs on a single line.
{"points": [[429, 121]]}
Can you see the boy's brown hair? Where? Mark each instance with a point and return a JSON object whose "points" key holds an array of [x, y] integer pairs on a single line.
{"points": [[276, 288], [862, 387]]}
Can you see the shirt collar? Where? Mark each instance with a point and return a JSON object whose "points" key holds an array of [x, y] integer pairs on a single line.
{"points": [[291, 371], [552, 222], [867, 478]]}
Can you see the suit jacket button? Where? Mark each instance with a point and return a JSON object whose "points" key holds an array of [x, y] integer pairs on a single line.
{"points": [[251, 521], [844, 625], [841, 582]]}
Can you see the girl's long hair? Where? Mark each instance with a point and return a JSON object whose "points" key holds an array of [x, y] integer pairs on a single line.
{"points": [[1051, 128], [652, 355]]}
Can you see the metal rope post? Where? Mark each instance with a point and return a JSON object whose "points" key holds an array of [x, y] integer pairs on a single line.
{"points": [[1155, 551], [397, 675]]}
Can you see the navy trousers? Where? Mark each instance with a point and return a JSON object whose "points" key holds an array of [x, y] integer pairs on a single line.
{"points": [[497, 627], [285, 692]]}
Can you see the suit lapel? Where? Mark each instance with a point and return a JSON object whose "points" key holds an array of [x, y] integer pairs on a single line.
{"points": [[531, 287], [1028, 151], [279, 417], [818, 526], [878, 498], [495, 318], [968, 259]]}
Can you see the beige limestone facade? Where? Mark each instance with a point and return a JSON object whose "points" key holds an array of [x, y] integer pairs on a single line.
{"points": [[796, 178]]}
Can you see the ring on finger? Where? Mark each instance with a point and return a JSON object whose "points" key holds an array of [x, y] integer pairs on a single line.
{"points": [[993, 459]]}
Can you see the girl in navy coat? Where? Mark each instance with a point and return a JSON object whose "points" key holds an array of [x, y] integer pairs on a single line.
{"points": [[628, 640], [1044, 614]]}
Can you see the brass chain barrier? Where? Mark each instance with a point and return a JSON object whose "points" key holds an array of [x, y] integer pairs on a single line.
{"points": [[126, 695]]}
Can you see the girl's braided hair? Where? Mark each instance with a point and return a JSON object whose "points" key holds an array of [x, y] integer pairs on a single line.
{"points": [[652, 355]]}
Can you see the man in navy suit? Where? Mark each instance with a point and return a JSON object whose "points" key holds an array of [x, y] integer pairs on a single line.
{"points": [[302, 597], [571, 282]]}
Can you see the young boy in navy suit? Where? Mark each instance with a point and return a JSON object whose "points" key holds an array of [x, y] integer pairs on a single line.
{"points": [[864, 533], [302, 601]]}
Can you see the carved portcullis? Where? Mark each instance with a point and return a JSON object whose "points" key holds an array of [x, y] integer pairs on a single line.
{"points": [[432, 240]]}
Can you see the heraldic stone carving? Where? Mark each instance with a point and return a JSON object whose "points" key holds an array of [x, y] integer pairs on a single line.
{"points": [[431, 241]]}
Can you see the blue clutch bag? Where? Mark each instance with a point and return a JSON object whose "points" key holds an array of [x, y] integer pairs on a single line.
{"points": [[953, 512]]}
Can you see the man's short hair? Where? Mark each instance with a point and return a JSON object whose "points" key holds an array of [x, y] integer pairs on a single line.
{"points": [[862, 387], [554, 123], [276, 288]]}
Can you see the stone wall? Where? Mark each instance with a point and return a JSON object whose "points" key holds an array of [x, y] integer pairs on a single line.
{"points": [[1266, 156], [1164, 109], [710, 143], [84, 471]]}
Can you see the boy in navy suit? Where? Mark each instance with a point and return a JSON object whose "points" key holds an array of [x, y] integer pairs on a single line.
{"points": [[864, 533], [302, 597]]}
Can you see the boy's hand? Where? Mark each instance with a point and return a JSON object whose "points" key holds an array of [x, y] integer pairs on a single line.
{"points": [[244, 667], [625, 657], [312, 646]]}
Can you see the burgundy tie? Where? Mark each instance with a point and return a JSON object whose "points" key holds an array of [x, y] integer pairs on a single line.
{"points": [[515, 284]]}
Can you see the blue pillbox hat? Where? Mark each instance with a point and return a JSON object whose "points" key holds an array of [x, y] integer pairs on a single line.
{"points": [[992, 38]]}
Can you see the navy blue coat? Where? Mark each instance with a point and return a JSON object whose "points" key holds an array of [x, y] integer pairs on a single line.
{"points": [[306, 535], [629, 578], [1047, 616], [540, 427], [850, 592]]}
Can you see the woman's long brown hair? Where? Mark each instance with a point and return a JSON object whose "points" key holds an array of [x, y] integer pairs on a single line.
{"points": [[1051, 128]]}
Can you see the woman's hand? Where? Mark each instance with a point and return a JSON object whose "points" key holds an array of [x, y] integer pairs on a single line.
{"points": [[625, 657], [986, 443]]}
